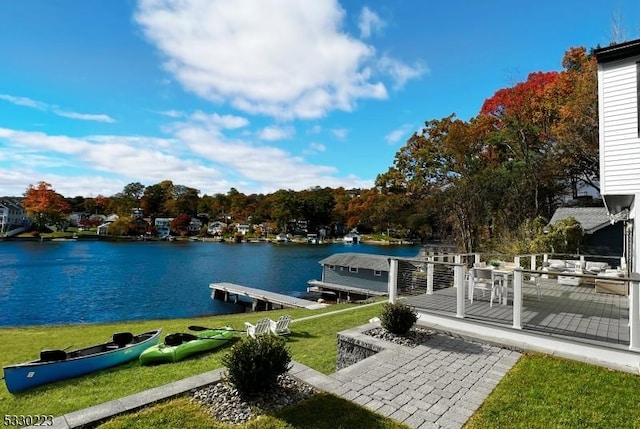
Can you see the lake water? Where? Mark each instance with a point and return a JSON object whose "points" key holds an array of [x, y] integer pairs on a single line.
{"points": [[44, 283]]}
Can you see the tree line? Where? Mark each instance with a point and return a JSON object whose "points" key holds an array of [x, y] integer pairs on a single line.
{"points": [[488, 183]]}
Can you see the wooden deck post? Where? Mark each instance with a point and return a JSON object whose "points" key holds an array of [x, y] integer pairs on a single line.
{"points": [[634, 314], [458, 278], [517, 298], [429, 278], [393, 280]]}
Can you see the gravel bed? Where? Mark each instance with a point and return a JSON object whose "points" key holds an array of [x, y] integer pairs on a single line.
{"points": [[413, 338], [226, 405]]}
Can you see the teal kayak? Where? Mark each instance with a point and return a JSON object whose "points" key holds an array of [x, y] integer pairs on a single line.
{"points": [[55, 365], [182, 345]]}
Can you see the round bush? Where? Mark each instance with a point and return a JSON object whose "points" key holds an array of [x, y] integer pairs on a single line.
{"points": [[398, 318], [254, 364]]}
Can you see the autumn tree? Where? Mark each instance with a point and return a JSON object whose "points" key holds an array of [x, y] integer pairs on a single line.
{"points": [[576, 130], [180, 224], [134, 192], [45, 206], [155, 198]]}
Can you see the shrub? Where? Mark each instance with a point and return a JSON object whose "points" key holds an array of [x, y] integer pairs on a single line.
{"points": [[398, 318], [254, 364]]}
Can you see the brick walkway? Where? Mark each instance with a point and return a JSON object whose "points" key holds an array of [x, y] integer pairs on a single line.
{"points": [[436, 385], [439, 384]]}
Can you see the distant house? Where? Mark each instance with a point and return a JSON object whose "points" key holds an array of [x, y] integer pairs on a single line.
{"points": [[137, 212], [195, 225], [216, 228], [103, 229], [243, 228], [354, 272], [619, 128], [163, 226], [352, 237], [601, 236], [12, 216], [75, 218], [282, 238]]}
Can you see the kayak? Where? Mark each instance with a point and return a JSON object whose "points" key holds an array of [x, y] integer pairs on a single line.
{"points": [[181, 345], [55, 365]]}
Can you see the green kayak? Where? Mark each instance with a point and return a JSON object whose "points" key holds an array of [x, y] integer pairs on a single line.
{"points": [[181, 345]]}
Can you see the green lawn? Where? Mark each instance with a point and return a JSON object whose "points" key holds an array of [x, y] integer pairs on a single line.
{"points": [[542, 391], [312, 343], [539, 392], [323, 411]]}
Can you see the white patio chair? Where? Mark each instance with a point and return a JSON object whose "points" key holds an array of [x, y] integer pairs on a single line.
{"points": [[281, 326], [259, 329], [534, 280], [479, 278]]}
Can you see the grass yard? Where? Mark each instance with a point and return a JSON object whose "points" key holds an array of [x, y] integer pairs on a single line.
{"points": [[323, 411], [542, 391], [313, 343], [539, 392]]}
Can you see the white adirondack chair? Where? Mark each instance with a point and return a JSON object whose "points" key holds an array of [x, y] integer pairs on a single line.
{"points": [[260, 328], [281, 326]]}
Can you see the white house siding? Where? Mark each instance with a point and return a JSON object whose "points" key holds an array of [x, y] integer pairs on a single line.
{"points": [[619, 141]]}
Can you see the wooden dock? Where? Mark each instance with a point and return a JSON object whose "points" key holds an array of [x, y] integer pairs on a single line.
{"points": [[259, 299]]}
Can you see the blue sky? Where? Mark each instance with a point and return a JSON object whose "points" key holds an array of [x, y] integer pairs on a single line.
{"points": [[259, 95]]}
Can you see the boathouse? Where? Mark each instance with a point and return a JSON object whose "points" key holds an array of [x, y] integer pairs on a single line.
{"points": [[353, 275]]}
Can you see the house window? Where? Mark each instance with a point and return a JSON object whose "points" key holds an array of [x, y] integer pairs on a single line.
{"points": [[353, 269], [377, 273], [332, 267]]}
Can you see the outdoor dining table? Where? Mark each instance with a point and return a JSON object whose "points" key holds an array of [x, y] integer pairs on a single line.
{"points": [[502, 275]]}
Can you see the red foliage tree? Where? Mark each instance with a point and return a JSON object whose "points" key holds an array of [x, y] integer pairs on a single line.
{"points": [[181, 224], [44, 205]]}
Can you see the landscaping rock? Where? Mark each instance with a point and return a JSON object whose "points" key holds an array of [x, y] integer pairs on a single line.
{"points": [[226, 405], [413, 338]]}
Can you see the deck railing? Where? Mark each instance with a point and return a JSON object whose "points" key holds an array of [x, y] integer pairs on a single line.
{"points": [[568, 304]]}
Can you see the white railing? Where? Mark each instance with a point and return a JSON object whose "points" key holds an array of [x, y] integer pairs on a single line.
{"points": [[434, 275]]}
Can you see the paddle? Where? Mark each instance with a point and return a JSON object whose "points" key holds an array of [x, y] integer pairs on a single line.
{"points": [[203, 328], [182, 337]]}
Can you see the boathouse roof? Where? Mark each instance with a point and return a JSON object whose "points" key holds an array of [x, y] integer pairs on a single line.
{"points": [[358, 260]]}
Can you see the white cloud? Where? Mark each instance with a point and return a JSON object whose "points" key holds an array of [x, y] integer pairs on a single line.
{"points": [[23, 101], [316, 129], [369, 22], [340, 133], [273, 133], [197, 153], [84, 116], [172, 113], [315, 148], [222, 121], [131, 158], [402, 132], [283, 58], [39, 105], [401, 72]]}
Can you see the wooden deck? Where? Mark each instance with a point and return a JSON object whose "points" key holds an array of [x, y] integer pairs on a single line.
{"points": [[571, 312]]}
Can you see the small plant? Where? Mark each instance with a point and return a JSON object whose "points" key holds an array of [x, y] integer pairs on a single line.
{"points": [[494, 263], [398, 318], [254, 364]]}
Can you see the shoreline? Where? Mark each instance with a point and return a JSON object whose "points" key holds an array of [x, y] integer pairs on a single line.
{"points": [[395, 242]]}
